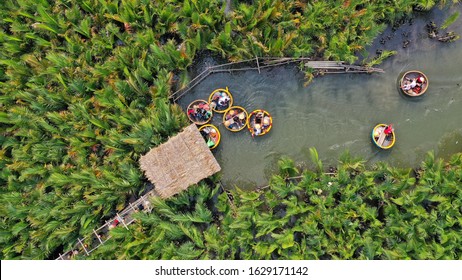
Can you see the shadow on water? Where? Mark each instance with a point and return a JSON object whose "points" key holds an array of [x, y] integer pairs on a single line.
{"points": [[337, 113]]}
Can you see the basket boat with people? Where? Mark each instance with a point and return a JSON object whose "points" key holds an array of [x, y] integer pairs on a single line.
{"points": [[199, 112], [235, 118], [383, 136], [413, 83], [211, 135], [259, 122], [221, 100]]}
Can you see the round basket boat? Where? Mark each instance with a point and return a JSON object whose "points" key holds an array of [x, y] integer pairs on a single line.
{"points": [[211, 135], [381, 139], [413, 83], [235, 118], [259, 122], [199, 112], [221, 100]]}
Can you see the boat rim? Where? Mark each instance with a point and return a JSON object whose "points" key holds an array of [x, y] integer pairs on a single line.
{"points": [[410, 72], [230, 97], [250, 128], [218, 132], [375, 142], [192, 103]]}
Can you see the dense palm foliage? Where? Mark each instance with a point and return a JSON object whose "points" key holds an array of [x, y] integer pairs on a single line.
{"points": [[356, 213], [85, 87]]}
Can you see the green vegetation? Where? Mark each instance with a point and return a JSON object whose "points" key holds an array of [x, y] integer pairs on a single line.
{"points": [[355, 213], [450, 20], [85, 87], [380, 58]]}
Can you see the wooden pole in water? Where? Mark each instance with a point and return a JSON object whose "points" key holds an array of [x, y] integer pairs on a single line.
{"points": [[258, 65]]}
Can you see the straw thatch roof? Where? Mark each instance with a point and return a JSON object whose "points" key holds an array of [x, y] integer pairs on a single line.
{"points": [[182, 161]]}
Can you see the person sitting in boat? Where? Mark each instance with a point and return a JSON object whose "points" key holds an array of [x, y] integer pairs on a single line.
{"points": [[200, 114], [266, 122], [388, 130], [210, 143], [259, 118], [229, 123], [192, 113], [203, 114], [237, 120], [223, 100], [241, 119], [230, 114], [418, 88], [410, 85], [257, 129]]}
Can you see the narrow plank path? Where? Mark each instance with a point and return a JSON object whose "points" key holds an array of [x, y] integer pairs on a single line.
{"points": [[99, 236]]}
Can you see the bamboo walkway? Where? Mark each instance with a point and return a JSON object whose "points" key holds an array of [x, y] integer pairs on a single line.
{"points": [[339, 67], [320, 67], [88, 244]]}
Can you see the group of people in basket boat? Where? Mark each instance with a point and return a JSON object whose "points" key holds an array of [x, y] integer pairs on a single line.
{"points": [[235, 119], [261, 123], [220, 100], [200, 113], [383, 136], [211, 136], [413, 85]]}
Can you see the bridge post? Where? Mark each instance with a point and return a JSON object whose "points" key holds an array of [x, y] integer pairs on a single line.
{"points": [[122, 220]]}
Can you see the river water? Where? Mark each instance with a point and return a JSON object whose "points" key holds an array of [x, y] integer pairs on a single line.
{"points": [[337, 112]]}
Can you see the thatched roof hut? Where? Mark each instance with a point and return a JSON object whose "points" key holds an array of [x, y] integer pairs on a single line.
{"points": [[182, 161]]}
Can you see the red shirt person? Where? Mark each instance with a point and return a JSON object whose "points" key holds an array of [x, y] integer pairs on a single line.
{"points": [[388, 129]]}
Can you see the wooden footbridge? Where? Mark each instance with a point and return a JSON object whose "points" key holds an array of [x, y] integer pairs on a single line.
{"points": [[100, 235], [339, 67], [257, 64]]}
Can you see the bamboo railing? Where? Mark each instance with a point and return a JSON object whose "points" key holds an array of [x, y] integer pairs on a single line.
{"points": [[258, 63]]}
